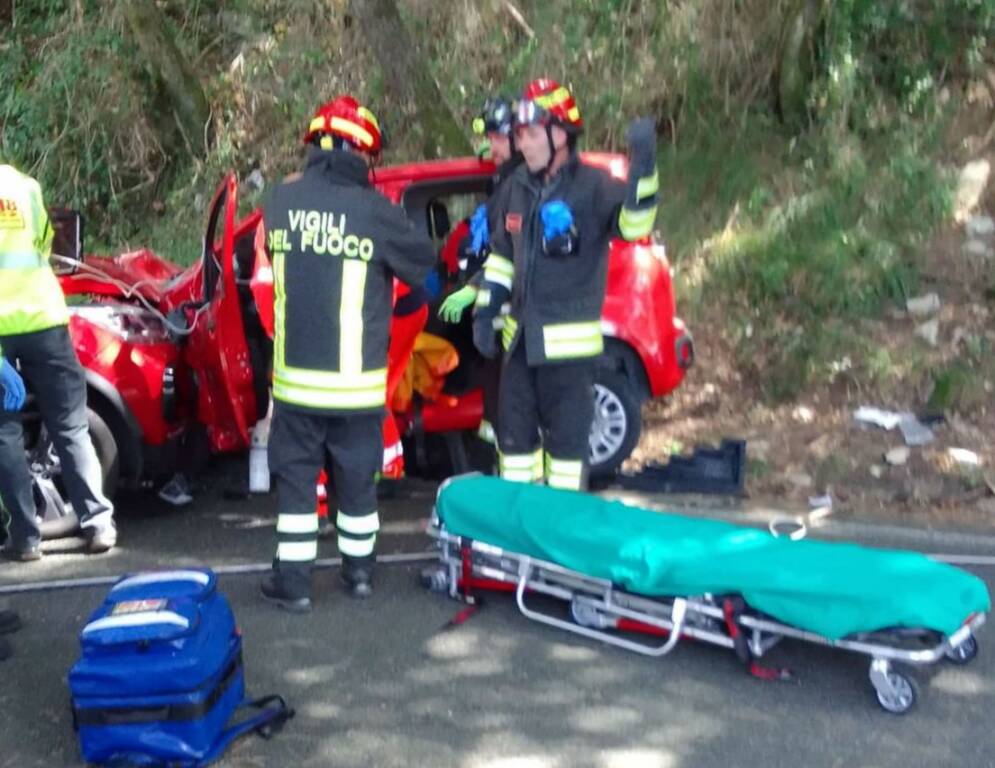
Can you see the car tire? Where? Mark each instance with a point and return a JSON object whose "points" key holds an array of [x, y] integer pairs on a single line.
{"points": [[56, 518], [617, 422]]}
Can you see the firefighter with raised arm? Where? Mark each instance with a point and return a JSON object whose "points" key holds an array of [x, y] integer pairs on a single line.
{"points": [[549, 238], [335, 245]]}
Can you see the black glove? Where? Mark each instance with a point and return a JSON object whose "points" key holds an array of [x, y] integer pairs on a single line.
{"points": [[471, 262], [641, 139]]}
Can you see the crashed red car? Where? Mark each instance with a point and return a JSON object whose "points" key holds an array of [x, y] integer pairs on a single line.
{"points": [[177, 360]]}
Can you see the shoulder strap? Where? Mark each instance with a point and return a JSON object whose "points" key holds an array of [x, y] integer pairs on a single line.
{"points": [[272, 713]]}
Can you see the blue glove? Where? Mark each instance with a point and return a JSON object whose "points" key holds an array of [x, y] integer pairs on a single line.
{"points": [[13, 387], [559, 237], [480, 234], [557, 219]]}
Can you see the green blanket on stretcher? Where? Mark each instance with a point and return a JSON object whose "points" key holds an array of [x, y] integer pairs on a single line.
{"points": [[831, 589]]}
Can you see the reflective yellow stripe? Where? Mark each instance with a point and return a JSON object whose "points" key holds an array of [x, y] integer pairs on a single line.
{"points": [[353, 382], [364, 112], [563, 466], [564, 473], [636, 224], [351, 316], [359, 133], [521, 467], [564, 482], [518, 460], [554, 98], [322, 389], [508, 331], [357, 547], [574, 114], [297, 523], [648, 186], [358, 524], [296, 551], [483, 297], [569, 340], [330, 399], [279, 313], [499, 270]]}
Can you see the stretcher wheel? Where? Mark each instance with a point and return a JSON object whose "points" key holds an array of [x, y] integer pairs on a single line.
{"points": [[965, 652], [587, 615], [902, 696]]}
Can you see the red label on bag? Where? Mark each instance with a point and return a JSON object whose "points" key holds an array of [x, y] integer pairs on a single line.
{"points": [[513, 222], [138, 606]]}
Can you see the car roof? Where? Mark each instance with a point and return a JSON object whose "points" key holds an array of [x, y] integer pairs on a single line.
{"points": [[427, 170]]}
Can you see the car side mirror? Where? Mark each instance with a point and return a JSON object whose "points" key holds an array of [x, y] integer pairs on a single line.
{"points": [[67, 242]]}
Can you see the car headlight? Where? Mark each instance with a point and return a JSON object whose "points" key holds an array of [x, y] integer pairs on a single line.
{"points": [[132, 324]]}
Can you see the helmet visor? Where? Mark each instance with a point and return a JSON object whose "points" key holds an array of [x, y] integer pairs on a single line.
{"points": [[530, 113]]}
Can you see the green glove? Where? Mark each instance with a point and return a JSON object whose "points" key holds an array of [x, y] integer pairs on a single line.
{"points": [[452, 308]]}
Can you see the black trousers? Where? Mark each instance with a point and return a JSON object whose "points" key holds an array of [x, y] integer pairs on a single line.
{"points": [[544, 419], [298, 444], [53, 373]]}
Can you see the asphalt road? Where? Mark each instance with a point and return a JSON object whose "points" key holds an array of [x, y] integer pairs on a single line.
{"points": [[386, 683]]}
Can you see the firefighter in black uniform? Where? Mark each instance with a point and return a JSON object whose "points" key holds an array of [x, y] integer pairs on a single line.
{"points": [[336, 245], [550, 230], [495, 124]]}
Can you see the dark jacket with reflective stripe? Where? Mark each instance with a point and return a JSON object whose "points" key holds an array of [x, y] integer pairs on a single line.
{"points": [[555, 300], [336, 245]]}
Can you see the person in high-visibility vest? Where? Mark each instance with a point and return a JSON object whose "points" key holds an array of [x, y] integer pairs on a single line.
{"points": [[550, 230], [34, 332], [336, 245]]}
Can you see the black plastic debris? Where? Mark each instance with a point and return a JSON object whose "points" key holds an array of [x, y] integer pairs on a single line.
{"points": [[717, 471]]}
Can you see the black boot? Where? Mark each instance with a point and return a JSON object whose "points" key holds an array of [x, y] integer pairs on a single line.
{"points": [[275, 592], [358, 578]]}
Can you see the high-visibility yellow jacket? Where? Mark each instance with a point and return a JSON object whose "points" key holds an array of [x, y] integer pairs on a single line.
{"points": [[30, 296]]}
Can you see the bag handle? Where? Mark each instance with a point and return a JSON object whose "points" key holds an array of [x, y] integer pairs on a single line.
{"points": [[267, 722]]}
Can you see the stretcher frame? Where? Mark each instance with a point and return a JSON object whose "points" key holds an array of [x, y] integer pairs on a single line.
{"points": [[597, 606]]}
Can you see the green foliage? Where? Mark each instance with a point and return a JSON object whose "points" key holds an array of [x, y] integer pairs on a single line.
{"points": [[877, 51], [799, 231]]}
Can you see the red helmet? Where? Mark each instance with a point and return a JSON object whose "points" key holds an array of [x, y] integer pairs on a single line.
{"points": [[345, 118], [546, 99]]}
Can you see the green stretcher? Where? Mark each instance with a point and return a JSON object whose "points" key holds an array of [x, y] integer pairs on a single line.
{"points": [[626, 570]]}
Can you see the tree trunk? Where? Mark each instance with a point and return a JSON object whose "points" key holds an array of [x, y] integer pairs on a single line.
{"points": [[184, 95], [795, 70], [408, 80]]}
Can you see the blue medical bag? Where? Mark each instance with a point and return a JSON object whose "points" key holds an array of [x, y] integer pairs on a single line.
{"points": [[160, 675]]}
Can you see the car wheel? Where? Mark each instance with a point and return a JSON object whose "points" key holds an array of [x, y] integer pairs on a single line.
{"points": [[617, 422], [56, 516]]}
